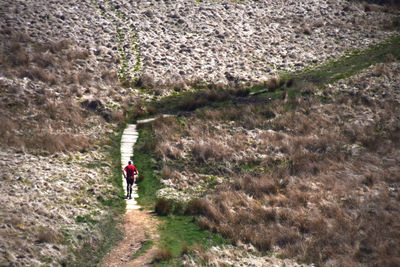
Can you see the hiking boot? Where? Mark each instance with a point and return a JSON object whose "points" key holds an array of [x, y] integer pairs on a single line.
{"points": [[130, 197]]}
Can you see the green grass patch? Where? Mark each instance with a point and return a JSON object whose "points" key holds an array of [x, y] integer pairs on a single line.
{"points": [[176, 232], [277, 94], [349, 64], [85, 219], [145, 163], [115, 201]]}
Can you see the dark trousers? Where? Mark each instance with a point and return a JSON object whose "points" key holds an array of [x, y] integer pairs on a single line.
{"points": [[129, 183]]}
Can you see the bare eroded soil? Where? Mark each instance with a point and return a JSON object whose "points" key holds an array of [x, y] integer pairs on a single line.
{"points": [[139, 227]]}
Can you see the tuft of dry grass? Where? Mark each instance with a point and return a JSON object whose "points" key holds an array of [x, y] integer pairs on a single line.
{"points": [[381, 69], [258, 187], [307, 30], [210, 150], [59, 142], [77, 54], [185, 248], [44, 60], [162, 207], [84, 77], [166, 173], [109, 76], [47, 235], [272, 84], [197, 207], [140, 178], [34, 73], [162, 255], [55, 46], [18, 58]]}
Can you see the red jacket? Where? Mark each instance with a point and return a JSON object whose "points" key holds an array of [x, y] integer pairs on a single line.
{"points": [[130, 171]]}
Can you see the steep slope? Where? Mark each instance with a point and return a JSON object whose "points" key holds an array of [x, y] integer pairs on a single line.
{"points": [[66, 74]]}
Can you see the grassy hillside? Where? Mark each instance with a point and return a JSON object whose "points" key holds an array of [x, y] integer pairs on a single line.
{"points": [[308, 170], [285, 142], [58, 156]]}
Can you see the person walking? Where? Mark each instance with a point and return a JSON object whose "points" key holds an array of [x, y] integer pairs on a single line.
{"points": [[129, 173]]}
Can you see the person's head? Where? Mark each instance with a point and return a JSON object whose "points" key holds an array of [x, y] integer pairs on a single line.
{"points": [[130, 162]]}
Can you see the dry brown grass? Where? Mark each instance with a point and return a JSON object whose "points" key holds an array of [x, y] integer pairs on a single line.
{"points": [[209, 150], [84, 77], [77, 54], [58, 142], [325, 198], [162, 207], [41, 135], [45, 119], [162, 255], [17, 58], [257, 187], [7, 126], [165, 128], [38, 74], [197, 207], [44, 60], [166, 173], [203, 256], [307, 30], [109, 76], [22, 57], [272, 84], [47, 235]]}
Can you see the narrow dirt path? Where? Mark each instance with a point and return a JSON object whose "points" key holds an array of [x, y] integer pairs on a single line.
{"points": [[140, 226]]}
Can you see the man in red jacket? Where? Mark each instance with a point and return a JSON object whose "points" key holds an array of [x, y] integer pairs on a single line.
{"points": [[129, 173]]}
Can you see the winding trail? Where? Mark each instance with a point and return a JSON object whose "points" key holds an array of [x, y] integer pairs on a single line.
{"points": [[140, 226]]}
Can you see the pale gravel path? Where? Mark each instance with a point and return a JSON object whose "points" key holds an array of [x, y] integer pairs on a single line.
{"points": [[128, 140]]}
